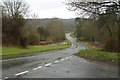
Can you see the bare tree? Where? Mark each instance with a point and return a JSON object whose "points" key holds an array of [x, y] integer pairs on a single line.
{"points": [[56, 29], [105, 13], [0, 26], [93, 7], [14, 12], [16, 8]]}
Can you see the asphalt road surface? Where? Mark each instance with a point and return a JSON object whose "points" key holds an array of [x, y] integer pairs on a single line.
{"points": [[57, 64]]}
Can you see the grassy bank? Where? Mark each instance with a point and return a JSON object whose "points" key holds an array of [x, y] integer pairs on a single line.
{"points": [[96, 53], [10, 52]]}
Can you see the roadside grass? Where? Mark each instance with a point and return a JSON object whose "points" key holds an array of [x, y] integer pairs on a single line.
{"points": [[96, 53], [0, 52], [10, 52]]}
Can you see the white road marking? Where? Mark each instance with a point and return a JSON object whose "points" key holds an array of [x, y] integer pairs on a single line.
{"points": [[56, 61], [48, 64], [62, 59], [5, 78], [70, 56], [37, 68], [6, 60], [67, 58], [21, 73], [15, 58]]}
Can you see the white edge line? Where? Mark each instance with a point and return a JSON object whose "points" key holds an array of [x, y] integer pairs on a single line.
{"points": [[5, 78], [62, 59], [37, 68], [47, 64], [56, 61], [67, 58], [21, 73]]}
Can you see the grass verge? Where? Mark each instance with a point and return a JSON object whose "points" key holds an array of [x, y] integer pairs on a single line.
{"points": [[11, 52], [96, 53]]}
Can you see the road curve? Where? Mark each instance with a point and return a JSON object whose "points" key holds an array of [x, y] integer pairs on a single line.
{"points": [[57, 64]]}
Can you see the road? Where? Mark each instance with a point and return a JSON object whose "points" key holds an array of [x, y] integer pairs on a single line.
{"points": [[58, 64]]}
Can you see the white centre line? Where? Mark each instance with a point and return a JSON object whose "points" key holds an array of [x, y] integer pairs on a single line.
{"points": [[6, 78], [37, 68], [48, 64], [21, 73], [67, 58], [56, 61], [62, 59]]}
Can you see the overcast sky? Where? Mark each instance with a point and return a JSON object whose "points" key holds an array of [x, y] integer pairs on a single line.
{"points": [[50, 8]]}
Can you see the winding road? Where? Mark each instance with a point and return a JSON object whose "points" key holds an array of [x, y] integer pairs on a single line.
{"points": [[57, 64]]}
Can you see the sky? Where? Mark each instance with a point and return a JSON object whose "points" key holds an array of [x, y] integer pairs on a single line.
{"points": [[50, 9]]}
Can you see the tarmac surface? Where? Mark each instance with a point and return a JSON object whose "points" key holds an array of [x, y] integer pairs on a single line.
{"points": [[57, 64]]}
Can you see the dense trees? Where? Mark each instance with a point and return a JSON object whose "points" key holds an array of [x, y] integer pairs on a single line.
{"points": [[43, 33], [56, 29], [102, 24], [52, 32], [13, 13], [16, 30], [0, 26], [86, 29]]}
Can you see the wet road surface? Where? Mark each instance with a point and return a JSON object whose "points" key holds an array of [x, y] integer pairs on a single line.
{"points": [[57, 64]]}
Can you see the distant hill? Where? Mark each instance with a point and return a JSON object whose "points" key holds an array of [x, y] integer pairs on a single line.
{"points": [[69, 23]]}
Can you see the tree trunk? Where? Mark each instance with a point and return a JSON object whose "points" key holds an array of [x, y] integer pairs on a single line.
{"points": [[109, 30]]}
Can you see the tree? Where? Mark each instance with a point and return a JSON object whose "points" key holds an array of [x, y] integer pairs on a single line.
{"points": [[56, 30], [13, 13], [98, 9], [106, 14], [85, 29], [0, 26], [43, 33], [78, 32], [90, 7]]}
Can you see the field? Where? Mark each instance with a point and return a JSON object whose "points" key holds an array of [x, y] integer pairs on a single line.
{"points": [[10, 52]]}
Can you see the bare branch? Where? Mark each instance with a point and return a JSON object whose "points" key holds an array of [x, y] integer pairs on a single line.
{"points": [[93, 7]]}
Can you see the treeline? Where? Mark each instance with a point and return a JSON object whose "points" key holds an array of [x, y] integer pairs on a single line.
{"points": [[53, 31], [16, 31], [69, 23], [102, 25], [103, 29]]}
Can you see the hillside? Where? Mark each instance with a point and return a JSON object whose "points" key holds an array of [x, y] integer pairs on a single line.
{"points": [[69, 23]]}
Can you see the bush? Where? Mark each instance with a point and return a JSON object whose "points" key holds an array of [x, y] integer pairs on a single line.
{"points": [[33, 40], [112, 46], [23, 42]]}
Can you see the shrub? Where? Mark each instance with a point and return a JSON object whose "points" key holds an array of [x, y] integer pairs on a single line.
{"points": [[112, 46]]}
